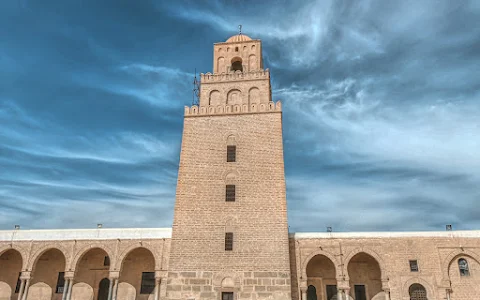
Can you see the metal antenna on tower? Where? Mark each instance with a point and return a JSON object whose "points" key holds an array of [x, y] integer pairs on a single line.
{"points": [[196, 90], [239, 29]]}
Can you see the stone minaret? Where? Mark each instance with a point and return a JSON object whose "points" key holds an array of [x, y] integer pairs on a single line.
{"points": [[230, 232]]}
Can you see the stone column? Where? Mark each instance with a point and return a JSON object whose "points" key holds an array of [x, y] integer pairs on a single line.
{"points": [[25, 282], [65, 289], [339, 294], [303, 289], [387, 293], [110, 287], [20, 291], [448, 294], [157, 288], [25, 292], [112, 277], [347, 294], [69, 289], [115, 289]]}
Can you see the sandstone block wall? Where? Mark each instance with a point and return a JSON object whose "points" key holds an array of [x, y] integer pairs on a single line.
{"points": [[258, 266], [382, 264]]}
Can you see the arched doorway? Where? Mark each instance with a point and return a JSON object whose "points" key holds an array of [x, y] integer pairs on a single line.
{"points": [[137, 275], [321, 277], [311, 293], [91, 269], [103, 287], [10, 268], [417, 292], [47, 276], [365, 277]]}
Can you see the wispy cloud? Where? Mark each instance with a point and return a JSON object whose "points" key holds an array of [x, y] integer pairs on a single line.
{"points": [[381, 106]]}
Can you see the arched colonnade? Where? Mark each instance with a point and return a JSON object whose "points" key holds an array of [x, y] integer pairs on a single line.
{"points": [[361, 275], [94, 272]]}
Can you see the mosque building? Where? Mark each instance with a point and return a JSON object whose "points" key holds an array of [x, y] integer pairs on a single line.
{"points": [[229, 238]]}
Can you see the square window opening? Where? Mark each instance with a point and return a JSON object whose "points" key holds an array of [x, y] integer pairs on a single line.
{"points": [[231, 153], [413, 265], [230, 193], [228, 241]]}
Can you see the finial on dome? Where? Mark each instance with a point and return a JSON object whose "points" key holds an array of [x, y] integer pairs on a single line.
{"points": [[239, 29]]}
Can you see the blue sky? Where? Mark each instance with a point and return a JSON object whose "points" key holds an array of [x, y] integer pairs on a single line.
{"points": [[381, 108]]}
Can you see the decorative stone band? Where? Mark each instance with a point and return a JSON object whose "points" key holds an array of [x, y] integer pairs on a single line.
{"points": [[235, 76], [233, 109]]}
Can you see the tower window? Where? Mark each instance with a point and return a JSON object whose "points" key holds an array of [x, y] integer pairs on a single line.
{"points": [[231, 153], [228, 241], [230, 192], [148, 283], [236, 49], [237, 64], [413, 266], [463, 267]]}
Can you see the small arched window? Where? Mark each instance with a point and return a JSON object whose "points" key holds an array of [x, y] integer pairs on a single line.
{"points": [[463, 267], [311, 293], [236, 49]]}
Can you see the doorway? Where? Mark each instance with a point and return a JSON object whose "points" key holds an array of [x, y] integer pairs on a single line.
{"points": [[103, 289]]}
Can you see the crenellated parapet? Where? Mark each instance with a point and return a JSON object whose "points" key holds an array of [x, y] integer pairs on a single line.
{"points": [[233, 109], [235, 76]]}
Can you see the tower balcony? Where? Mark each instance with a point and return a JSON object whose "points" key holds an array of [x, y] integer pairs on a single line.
{"points": [[233, 109], [234, 76]]}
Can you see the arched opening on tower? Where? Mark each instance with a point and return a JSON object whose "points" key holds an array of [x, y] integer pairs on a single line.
{"points": [[237, 64]]}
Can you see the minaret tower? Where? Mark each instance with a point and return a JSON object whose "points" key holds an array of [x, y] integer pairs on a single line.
{"points": [[230, 232]]}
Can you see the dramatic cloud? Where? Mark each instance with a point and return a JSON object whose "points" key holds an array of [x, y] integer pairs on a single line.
{"points": [[381, 109]]}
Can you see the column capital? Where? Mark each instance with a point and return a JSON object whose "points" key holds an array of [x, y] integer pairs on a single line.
{"points": [[385, 284], [26, 275], [161, 274], [113, 275], [69, 274], [343, 285]]}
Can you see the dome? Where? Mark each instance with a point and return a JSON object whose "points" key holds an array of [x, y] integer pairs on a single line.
{"points": [[238, 38]]}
